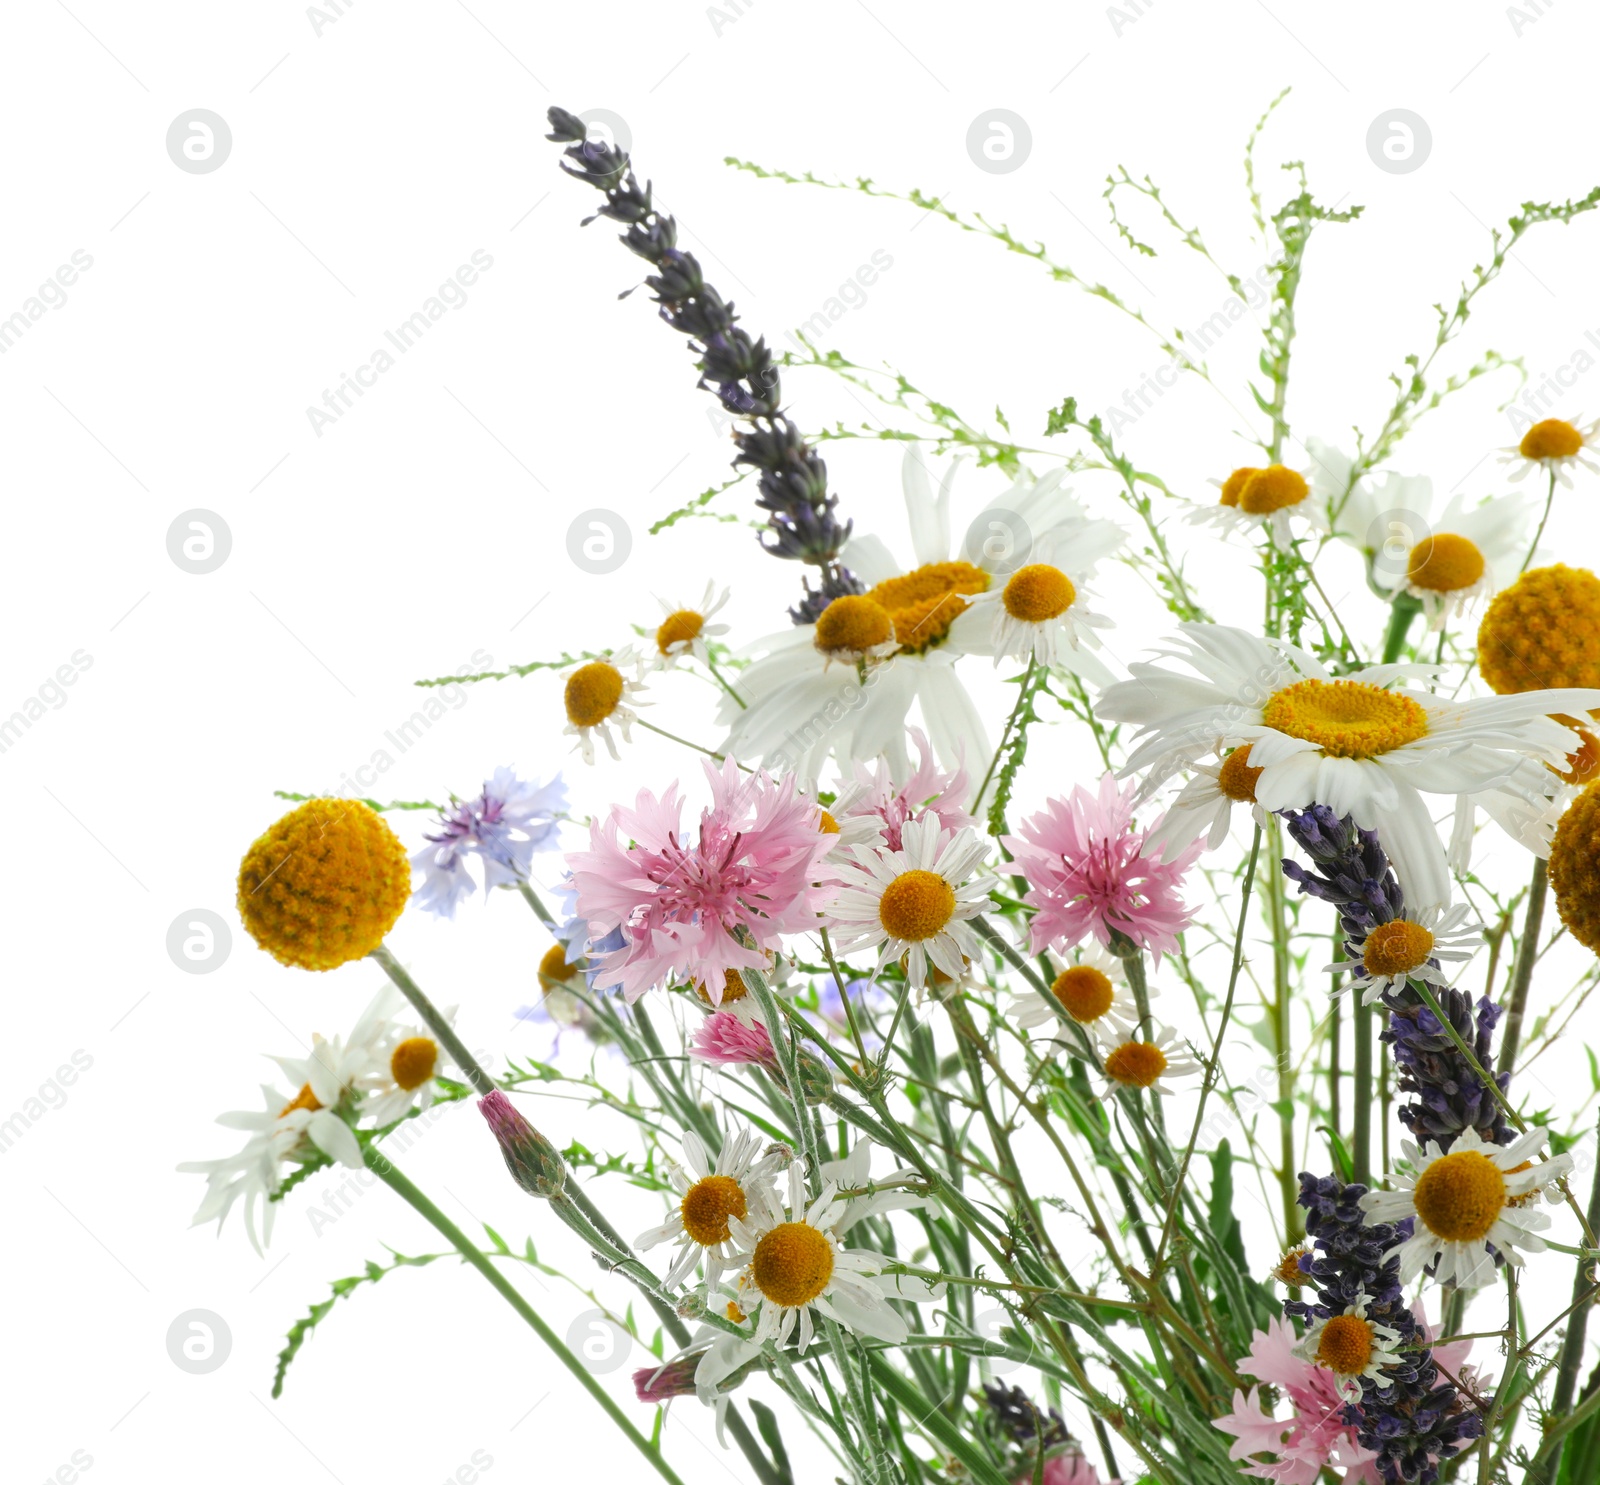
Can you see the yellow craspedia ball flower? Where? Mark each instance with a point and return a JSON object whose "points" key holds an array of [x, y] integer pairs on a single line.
{"points": [[1575, 868], [324, 885], [1544, 630]]}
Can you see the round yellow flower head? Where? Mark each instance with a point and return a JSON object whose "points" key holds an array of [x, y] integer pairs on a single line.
{"points": [[1544, 630], [324, 885], [1575, 868]]}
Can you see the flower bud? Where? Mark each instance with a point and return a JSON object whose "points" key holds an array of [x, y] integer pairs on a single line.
{"points": [[534, 1163]]}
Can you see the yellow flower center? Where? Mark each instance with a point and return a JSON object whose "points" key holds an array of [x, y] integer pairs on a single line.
{"points": [[1136, 1064], [916, 905], [1288, 1269], [554, 965], [413, 1061], [1544, 630], [827, 824], [678, 628], [706, 1207], [1037, 593], [1460, 1196], [1236, 778], [1274, 488], [1554, 438], [1445, 563], [1085, 992], [304, 1099], [853, 625], [1396, 948], [592, 694], [735, 1314], [324, 885], [1234, 484], [1346, 1345], [925, 602], [733, 987], [1575, 868], [792, 1264], [1347, 719]]}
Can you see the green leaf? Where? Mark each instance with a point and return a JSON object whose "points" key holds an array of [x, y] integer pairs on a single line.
{"points": [[1220, 1217], [1343, 1162]]}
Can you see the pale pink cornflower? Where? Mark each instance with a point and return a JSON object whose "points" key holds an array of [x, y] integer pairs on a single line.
{"points": [[1068, 1468], [677, 905], [1314, 1435], [724, 1039], [874, 796], [1090, 871]]}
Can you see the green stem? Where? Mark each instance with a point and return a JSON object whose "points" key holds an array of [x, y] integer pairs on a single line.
{"points": [[391, 1177], [437, 1024], [1522, 972], [1361, 1142], [1549, 500], [1405, 609]]}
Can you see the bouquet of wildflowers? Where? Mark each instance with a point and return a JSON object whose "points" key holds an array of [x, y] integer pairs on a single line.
{"points": [[954, 1071]]}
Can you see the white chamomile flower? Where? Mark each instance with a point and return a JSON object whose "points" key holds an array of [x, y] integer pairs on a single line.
{"points": [[1455, 561], [796, 1270], [281, 1132], [735, 996], [848, 830], [1252, 497], [1359, 744], [1204, 805], [405, 1073], [1466, 1203], [1352, 1346], [713, 1194], [845, 685], [914, 902], [1132, 1061], [1093, 993], [853, 1173], [597, 696], [1428, 944], [1554, 445], [684, 631]]}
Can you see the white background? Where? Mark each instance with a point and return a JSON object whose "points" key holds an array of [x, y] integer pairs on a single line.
{"points": [[368, 162]]}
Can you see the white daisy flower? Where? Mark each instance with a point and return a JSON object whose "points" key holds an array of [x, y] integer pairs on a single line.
{"points": [[1555, 445], [282, 1132], [1457, 560], [719, 1193], [736, 998], [599, 695], [1349, 509], [1270, 496], [1204, 805], [1358, 744], [1466, 1203], [853, 1173], [914, 902], [1416, 946], [1093, 992], [795, 1270], [1352, 1347], [1132, 1061], [684, 631], [404, 1072], [845, 686]]}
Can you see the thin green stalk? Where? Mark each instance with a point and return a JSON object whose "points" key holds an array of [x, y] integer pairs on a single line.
{"points": [[1362, 1016], [385, 1171], [1404, 610], [1214, 1066], [1522, 972], [1549, 500], [787, 1048], [436, 1023]]}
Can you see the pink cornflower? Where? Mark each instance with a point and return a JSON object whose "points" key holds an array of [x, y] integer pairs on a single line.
{"points": [[752, 871], [874, 795], [1091, 871], [1068, 1468], [725, 1040], [1316, 1434]]}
